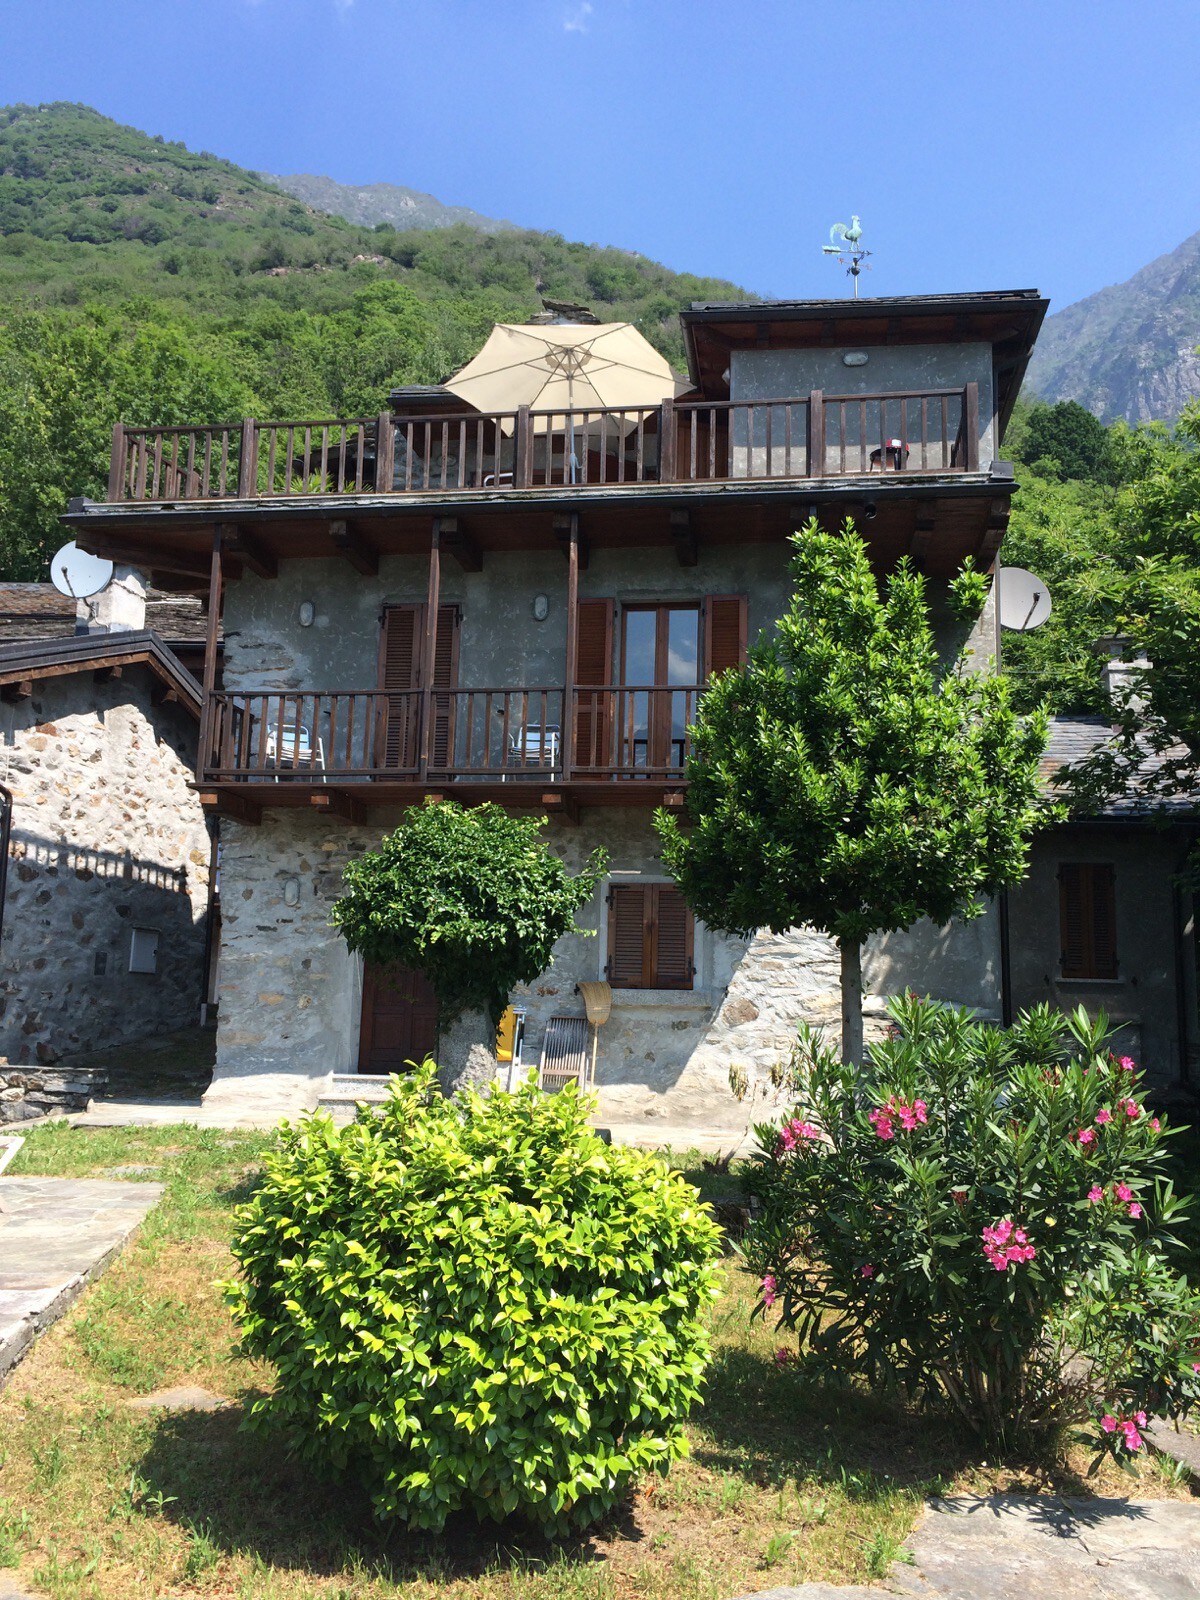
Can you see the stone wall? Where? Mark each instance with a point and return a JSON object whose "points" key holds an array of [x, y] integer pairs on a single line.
{"points": [[106, 838]]}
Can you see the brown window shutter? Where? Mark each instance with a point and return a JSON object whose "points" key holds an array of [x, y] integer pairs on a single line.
{"points": [[1087, 913], [725, 624], [445, 676], [672, 938], [628, 938], [593, 670], [398, 716]]}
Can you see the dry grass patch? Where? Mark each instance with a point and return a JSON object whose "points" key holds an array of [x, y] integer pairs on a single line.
{"points": [[786, 1482]]}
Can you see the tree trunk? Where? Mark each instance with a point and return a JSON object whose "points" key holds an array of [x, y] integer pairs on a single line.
{"points": [[467, 1052], [852, 1000]]}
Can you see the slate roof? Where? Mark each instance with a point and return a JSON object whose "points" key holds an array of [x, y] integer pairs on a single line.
{"points": [[38, 611], [57, 657], [1072, 739]]}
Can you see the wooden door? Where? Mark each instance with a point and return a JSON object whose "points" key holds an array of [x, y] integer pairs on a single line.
{"points": [[399, 1019], [401, 644]]}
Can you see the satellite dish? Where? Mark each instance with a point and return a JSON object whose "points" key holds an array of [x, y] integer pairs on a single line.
{"points": [[1024, 600], [77, 574]]}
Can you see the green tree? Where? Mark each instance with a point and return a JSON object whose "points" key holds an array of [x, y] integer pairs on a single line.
{"points": [[472, 898], [1069, 441], [842, 779]]}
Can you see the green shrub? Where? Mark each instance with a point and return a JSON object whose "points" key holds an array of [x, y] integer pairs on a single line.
{"points": [[476, 1303], [980, 1218]]}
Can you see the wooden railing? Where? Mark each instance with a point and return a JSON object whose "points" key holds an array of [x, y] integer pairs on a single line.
{"points": [[500, 734], [814, 436]]}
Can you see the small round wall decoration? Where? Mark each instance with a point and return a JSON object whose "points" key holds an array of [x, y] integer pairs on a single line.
{"points": [[541, 607], [855, 358]]}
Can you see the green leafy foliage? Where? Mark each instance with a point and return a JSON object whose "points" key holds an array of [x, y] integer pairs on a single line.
{"points": [[1066, 441], [477, 1303], [842, 778], [470, 897], [981, 1218]]}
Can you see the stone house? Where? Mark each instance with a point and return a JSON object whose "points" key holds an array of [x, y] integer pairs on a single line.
{"points": [[523, 607], [105, 874]]}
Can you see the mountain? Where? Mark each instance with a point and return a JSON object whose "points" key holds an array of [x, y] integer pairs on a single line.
{"points": [[371, 203], [1129, 350]]}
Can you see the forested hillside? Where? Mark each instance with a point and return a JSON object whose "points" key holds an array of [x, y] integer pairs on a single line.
{"points": [[143, 281]]}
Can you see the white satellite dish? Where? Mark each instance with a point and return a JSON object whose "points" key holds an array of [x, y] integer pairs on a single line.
{"points": [[77, 574], [1024, 600]]}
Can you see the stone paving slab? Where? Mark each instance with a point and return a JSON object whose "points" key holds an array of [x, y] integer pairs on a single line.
{"points": [[56, 1235], [1008, 1547]]}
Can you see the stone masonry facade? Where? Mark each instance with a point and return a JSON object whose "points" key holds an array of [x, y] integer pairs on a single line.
{"points": [[107, 838]]}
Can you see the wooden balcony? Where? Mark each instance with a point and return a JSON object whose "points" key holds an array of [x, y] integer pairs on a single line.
{"points": [[816, 436], [611, 744]]}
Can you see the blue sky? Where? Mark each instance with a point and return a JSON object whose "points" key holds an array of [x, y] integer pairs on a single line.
{"points": [[1012, 143]]}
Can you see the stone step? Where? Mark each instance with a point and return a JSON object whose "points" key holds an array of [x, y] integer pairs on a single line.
{"points": [[348, 1088]]}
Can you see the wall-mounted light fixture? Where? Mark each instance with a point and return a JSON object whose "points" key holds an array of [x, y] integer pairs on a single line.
{"points": [[541, 607], [855, 358], [307, 614]]}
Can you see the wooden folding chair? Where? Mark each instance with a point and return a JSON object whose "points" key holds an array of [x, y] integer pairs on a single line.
{"points": [[564, 1054]]}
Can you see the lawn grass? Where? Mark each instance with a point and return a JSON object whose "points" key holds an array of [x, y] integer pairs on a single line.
{"points": [[785, 1482]]}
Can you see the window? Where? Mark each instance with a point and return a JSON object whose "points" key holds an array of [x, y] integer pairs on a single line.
{"points": [[650, 937], [1087, 916]]}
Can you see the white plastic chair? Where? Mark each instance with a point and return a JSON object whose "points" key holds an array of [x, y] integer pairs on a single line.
{"points": [[535, 748], [291, 743]]}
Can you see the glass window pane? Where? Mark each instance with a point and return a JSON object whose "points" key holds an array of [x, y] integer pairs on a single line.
{"points": [[640, 632], [683, 646]]}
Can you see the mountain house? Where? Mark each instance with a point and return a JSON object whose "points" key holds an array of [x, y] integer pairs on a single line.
{"points": [[524, 607]]}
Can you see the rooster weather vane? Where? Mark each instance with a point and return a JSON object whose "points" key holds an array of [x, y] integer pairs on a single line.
{"points": [[843, 243]]}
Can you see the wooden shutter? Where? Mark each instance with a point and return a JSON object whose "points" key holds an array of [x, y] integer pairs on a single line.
{"points": [[1087, 909], [398, 720], [725, 625], [593, 670], [671, 938], [628, 954], [445, 676]]}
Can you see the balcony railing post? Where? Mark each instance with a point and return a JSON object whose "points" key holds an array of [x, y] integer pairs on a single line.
{"points": [[248, 460], [971, 427], [429, 651], [666, 441], [116, 463], [568, 717], [816, 433], [385, 448], [207, 710], [523, 464]]}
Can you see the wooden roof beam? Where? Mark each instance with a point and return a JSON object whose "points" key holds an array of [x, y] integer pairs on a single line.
{"points": [[563, 806], [337, 803], [11, 693], [923, 528], [238, 542], [684, 538], [457, 542], [237, 806], [358, 550], [563, 529]]}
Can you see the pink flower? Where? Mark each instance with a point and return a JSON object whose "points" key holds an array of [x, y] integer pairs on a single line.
{"points": [[1103, 1116], [1155, 1124], [1128, 1064], [1133, 1439], [1196, 1366], [769, 1288], [1122, 1191], [1108, 1423], [795, 1135], [1004, 1244], [1135, 1211], [880, 1119], [914, 1114], [783, 1357], [866, 1270], [1086, 1136], [1131, 1109], [1095, 1193]]}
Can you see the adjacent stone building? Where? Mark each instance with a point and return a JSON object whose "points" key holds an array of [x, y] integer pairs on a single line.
{"points": [[107, 868]]}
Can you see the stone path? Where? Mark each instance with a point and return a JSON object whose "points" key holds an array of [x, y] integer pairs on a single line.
{"points": [[56, 1235], [1004, 1547]]}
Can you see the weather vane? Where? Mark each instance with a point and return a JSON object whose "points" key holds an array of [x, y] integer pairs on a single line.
{"points": [[843, 243]]}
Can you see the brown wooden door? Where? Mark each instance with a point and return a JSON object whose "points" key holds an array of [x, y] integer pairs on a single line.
{"points": [[401, 644], [399, 1019]]}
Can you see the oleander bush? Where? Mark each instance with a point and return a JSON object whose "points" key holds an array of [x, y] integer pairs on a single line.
{"points": [[980, 1219], [476, 1303]]}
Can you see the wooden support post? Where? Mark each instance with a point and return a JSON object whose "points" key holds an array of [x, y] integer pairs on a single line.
{"points": [[429, 651], [116, 464], [385, 453], [215, 585], [337, 803], [238, 806], [566, 528], [673, 800], [523, 462], [162, 694], [971, 426], [248, 461], [667, 424], [358, 550], [816, 433], [107, 674], [567, 742], [457, 542], [683, 537]]}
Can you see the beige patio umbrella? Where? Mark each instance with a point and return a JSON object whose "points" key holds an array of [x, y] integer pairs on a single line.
{"points": [[564, 367]]}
